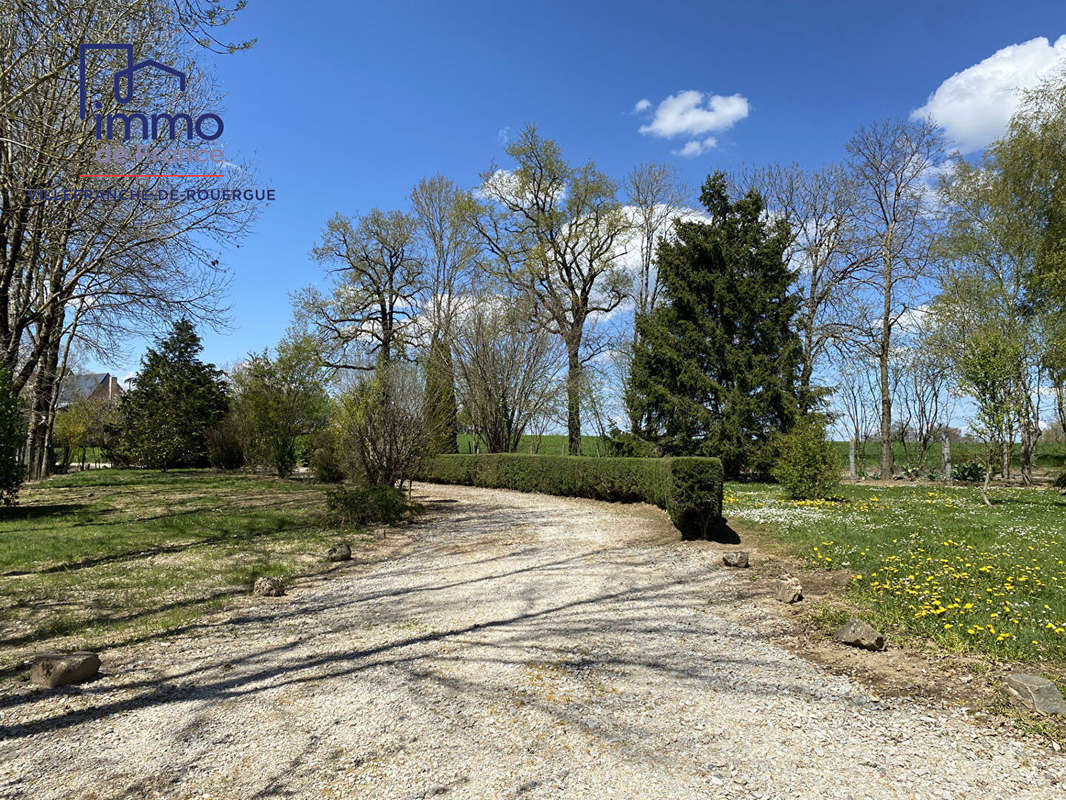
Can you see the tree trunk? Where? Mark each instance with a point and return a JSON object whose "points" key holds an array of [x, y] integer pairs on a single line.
{"points": [[1028, 448], [39, 439], [851, 460], [886, 420], [1029, 419], [805, 377], [573, 398], [884, 351], [945, 456], [988, 478]]}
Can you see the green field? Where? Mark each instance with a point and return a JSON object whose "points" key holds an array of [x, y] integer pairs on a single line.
{"points": [[551, 444], [935, 562], [110, 555], [1050, 455]]}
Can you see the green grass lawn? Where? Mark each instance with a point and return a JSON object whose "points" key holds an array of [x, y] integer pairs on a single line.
{"points": [[112, 555], [935, 562]]}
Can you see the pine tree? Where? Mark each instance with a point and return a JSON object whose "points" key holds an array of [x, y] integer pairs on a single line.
{"points": [[175, 399], [716, 367]]}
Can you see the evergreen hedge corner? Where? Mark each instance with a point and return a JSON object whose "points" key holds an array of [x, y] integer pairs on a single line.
{"points": [[689, 489], [694, 502]]}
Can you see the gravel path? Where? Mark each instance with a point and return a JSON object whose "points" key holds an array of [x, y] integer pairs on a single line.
{"points": [[513, 646]]}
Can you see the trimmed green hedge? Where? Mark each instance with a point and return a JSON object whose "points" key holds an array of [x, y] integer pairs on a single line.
{"points": [[689, 489]]}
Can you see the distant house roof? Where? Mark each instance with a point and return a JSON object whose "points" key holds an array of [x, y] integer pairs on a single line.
{"points": [[97, 385]]}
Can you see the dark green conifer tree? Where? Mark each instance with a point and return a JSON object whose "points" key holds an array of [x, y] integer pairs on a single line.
{"points": [[175, 399], [716, 367]]}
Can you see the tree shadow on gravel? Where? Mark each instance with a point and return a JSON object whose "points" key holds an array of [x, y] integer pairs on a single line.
{"points": [[649, 628], [260, 669]]}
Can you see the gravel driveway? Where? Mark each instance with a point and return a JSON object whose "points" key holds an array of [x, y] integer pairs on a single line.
{"points": [[512, 646]]}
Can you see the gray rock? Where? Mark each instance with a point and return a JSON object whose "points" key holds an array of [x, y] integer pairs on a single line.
{"points": [[1036, 693], [788, 590], [59, 669], [268, 587], [340, 552], [737, 558], [860, 634]]}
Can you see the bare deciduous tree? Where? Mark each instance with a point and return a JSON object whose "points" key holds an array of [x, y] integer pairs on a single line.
{"points": [[507, 370], [451, 249], [95, 264], [925, 404], [820, 207], [655, 196], [381, 431], [855, 396], [890, 165], [370, 314]]}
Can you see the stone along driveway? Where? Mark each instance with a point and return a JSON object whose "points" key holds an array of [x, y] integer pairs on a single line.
{"points": [[511, 646]]}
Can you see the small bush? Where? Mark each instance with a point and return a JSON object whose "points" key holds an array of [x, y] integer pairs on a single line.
{"points": [[689, 489], [380, 427], [1060, 482], [325, 466], [969, 472], [368, 505], [224, 445], [808, 465]]}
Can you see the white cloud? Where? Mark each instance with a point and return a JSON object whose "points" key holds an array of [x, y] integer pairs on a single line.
{"points": [[642, 105], [697, 147], [975, 105], [504, 184], [693, 113], [627, 248]]}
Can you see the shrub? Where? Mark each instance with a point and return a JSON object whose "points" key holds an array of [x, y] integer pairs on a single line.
{"points": [[224, 445], [1060, 482], [969, 472], [279, 401], [367, 505], [325, 466], [689, 489], [808, 466], [380, 427]]}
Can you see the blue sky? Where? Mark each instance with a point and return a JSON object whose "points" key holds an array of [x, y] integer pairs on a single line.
{"points": [[343, 106]]}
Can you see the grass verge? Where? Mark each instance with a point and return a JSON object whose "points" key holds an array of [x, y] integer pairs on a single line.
{"points": [[934, 562], [112, 556]]}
